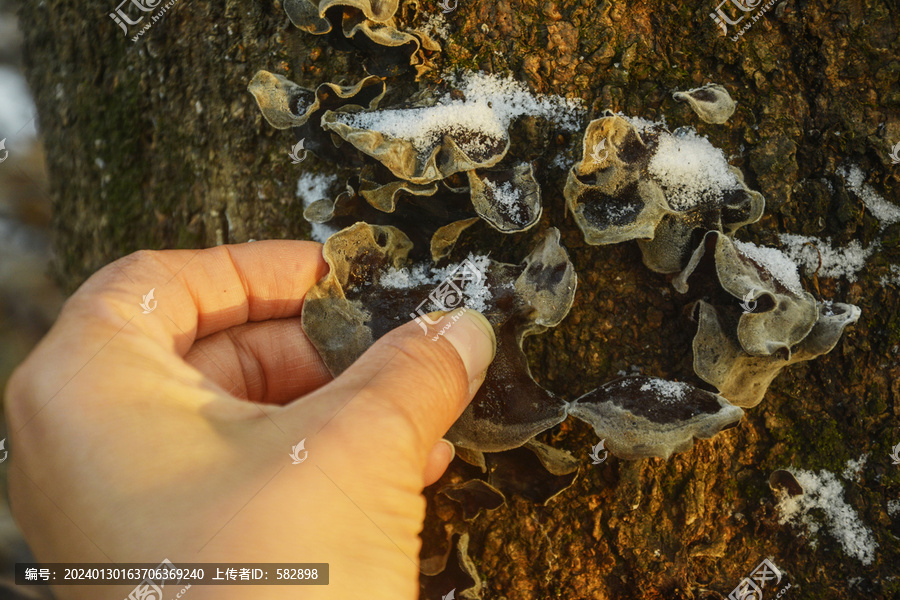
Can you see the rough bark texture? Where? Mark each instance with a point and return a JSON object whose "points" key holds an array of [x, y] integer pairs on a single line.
{"points": [[156, 144]]}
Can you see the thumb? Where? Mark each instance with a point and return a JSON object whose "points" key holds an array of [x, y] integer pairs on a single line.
{"points": [[409, 388]]}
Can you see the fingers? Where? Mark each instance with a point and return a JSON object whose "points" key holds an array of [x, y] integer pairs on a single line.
{"points": [[103, 330], [271, 362], [200, 292], [408, 387]]}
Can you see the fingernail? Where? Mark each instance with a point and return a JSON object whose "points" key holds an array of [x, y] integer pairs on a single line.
{"points": [[473, 338], [452, 448]]}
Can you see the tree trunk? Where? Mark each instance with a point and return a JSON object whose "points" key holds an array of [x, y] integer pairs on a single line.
{"points": [[157, 144]]}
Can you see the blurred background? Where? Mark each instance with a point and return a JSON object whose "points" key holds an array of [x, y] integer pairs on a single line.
{"points": [[29, 299]]}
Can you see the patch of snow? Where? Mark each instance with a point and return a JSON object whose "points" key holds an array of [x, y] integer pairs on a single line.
{"points": [[561, 162], [690, 169], [836, 262], [893, 278], [893, 507], [644, 125], [824, 492], [635, 370], [491, 104], [619, 215], [776, 262], [853, 468], [310, 188], [668, 392], [507, 197], [881, 209], [476, 291], [404, 279]]}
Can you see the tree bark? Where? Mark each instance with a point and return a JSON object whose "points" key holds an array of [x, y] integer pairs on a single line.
{"points": [[157, 144]]}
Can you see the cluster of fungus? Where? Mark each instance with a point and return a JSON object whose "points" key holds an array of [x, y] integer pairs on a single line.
{"points": [[428, 169]]}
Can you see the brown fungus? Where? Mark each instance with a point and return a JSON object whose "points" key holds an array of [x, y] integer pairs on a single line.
{"points": [[555, 460], [369, 26], [431, 151], [432, 216], [284, 104], [636, 180], [643, 417], [535, 471], [474, 496], [373, 287], [460, 575], [783, 480], [712, 102], [743, 378], [382, 191], [758, 319], [762, 279], [508, 199]]}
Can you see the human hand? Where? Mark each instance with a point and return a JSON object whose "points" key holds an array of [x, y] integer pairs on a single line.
{"points": [[138, 437]]}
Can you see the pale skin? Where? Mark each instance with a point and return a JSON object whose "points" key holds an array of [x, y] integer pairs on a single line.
{"points": [[137, 437]]}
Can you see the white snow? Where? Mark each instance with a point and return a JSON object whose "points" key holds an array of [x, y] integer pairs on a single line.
{"points": [[476, 292], [562, 162], [644, 125], [880, 208], [490, 106], [893, 507], [893, 278], [690, 169], [403, 279], [778, 264], [507, 198], [635, 370], [853, 468], [824, 492], [836, 262], [668, 392], [312, 187], [621, 214]]}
